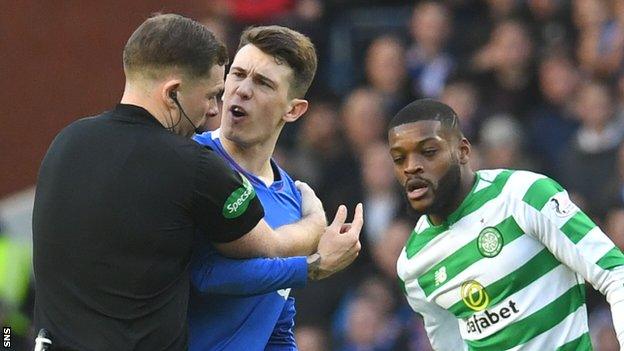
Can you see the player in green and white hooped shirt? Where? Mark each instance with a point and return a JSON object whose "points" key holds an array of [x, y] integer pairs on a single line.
{"points": [[499, 258]]}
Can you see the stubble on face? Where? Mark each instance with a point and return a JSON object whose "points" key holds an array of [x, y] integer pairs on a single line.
{"points": [[445, 193]]}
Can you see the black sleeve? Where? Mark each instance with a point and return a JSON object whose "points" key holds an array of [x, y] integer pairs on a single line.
{"points": [[225, 205]]}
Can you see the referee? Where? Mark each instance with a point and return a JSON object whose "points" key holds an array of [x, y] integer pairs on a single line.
{"points": [[120, 196]]}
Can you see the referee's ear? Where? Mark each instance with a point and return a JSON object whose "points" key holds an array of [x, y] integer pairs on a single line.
{"points": [[168, 89], [297, 107]]}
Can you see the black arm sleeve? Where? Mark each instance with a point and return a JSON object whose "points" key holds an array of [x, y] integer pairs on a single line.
{"points": [[225, 205]]}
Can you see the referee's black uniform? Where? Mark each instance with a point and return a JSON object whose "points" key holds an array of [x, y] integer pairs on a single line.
{"points": [[118, 200]]}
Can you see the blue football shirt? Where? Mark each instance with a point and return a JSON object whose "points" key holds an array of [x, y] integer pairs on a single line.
{"points": [[245, 304]]}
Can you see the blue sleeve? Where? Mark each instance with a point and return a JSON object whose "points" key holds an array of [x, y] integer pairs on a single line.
{"points": [[213, 273]]}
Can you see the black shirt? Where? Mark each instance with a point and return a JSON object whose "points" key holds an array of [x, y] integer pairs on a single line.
{"points": [[118, 200]]}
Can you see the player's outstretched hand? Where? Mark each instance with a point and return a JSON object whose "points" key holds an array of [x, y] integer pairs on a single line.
{"points": [[339, 245], [311, 205]]}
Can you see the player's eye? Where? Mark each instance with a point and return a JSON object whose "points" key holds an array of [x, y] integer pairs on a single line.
{"points": [[429, 152], [397, 159], [264, 83]]}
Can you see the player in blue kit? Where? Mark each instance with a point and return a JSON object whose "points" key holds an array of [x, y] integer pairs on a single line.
{"points": [[245, 304]]}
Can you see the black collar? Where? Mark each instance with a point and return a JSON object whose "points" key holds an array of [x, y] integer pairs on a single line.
{"points": [[136, 114]]}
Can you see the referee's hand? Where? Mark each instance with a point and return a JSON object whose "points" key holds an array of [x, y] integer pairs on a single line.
{"points": [[339, 245]]}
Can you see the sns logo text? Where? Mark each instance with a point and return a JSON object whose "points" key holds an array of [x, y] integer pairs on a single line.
{"points": [[6, 337]]}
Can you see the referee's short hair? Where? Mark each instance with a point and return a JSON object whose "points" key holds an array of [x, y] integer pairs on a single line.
{"points": [[169, 41]]}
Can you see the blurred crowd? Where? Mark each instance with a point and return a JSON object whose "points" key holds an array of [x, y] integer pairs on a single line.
{"points": [[537, 85]]}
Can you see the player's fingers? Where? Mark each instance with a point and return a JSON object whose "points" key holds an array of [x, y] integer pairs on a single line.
{"points": [[345, 228], [358, 220], [339, 219]]}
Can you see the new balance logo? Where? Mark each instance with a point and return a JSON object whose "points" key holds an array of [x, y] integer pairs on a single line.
{"points": [[440, 276]]}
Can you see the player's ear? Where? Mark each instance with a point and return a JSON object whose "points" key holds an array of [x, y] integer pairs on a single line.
{"points": [[296, 108], [464, 151]]}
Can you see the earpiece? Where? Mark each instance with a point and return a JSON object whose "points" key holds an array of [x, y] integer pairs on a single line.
{"points": [[174, 96]]}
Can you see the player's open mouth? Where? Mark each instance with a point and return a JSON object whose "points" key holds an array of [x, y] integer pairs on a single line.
{"points": [[416, 189], [238, 111]]}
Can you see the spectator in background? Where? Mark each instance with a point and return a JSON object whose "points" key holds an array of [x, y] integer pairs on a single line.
{"points": [[312, 338], [363, 119], [502, 9], [593, 148], [381, 199], [505, 71], [463, 97], [317, 143], [386, 72], [428, 63], [613, 191], [367, 323], [600, 44], [474, 21], [501, 144], [387, 250], [552, 123], [550, 24]]}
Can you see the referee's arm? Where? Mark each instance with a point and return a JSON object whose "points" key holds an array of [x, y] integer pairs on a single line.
{"points": [[226, 208]]}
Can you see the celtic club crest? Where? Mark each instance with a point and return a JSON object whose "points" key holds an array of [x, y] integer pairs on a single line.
{"points": [[490, 242]]}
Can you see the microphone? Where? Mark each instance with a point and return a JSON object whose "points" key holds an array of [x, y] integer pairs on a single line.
{"points": [[43, 341], [174, 95]]}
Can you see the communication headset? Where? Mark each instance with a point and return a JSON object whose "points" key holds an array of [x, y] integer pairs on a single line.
{"points": [[174, 96]]}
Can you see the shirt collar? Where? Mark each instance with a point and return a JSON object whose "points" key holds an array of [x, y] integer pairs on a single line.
{"points": [[134, 113]]}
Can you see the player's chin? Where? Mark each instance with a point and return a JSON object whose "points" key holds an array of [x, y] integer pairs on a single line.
{"points": [[421, 205]]}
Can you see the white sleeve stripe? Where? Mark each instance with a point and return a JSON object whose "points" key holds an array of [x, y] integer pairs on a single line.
{"points": [[594, 245]]}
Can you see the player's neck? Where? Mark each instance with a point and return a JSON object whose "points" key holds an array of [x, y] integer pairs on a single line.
{"points": [[255, 159]]}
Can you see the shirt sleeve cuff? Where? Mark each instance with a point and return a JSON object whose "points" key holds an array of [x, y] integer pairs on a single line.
{"points": [[299, 265]]}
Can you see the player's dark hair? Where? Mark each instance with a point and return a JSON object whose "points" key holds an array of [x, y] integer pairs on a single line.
{"points": [[427, 110], [286, 45], [173, 41]]}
